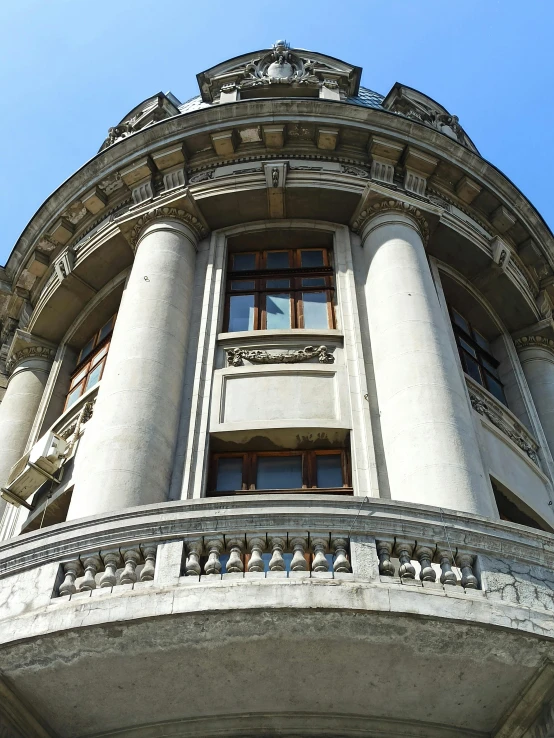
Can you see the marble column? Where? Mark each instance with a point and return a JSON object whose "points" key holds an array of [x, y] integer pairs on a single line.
{"points": [[29, 362], [430, 444], [126, 458], [536, 355]]}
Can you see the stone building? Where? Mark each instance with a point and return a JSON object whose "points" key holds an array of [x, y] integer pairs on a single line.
{"points": [[276, 443]]}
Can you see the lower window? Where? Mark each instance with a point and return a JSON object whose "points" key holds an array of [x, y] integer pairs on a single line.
{"points": [[242, 473]]}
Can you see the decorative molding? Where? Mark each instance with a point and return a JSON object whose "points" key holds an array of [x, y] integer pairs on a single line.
{"points": [[168, 212], [235, 356], [354, 171], [392, 205], [30, 352], [526, 342], [83, 416], [484, 406]]}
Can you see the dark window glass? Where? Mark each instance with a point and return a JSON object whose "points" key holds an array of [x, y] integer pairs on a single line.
{"points": [[311, 258], [489, 367], [495, 388], [106, 329], [277, 284], [87, 349], [481, 341], [229, 474], [472, 368], [467, 347], [460, 321], [241, 313], [329, 470], [243, 285], [277, 260], [279, 472], [244, 262], [314, 282]]}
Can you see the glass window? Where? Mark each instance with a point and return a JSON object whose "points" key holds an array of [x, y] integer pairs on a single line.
{"points": [[244, 262], [229, 474], [87, 349], [243, 285], [314, 282], [89, 373], [311, 258], [94, 376], [279, 472], [277, 260], [73, 396], [481, 341], [106, 329], [495, 387], [329, 470], [466, 347], [241, 313], [277, 283], [460, 321], [472, 368], [278, 311], [315, 310]]}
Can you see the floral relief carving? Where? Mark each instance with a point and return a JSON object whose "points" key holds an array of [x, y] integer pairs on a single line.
{"points": [[236, 356], [30, 352], [393, 205], [158, 213]]}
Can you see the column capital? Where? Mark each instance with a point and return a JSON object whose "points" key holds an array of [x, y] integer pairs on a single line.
{"points": [[166, 213], [390, 205], [532, 342], [26, 347]]}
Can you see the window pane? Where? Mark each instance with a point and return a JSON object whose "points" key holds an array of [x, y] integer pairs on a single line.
{"points": [[329, 470], [472, 367], [460, 321], [229, 474], [100, 354], [314, 282], [495, 388], [94, 376], [241, 313], [467, 347], [242, 262], [278, 311], [277, 283], [277, 260], [87, 348], [279, 472], [74, 395], [311, 258], [77, 378], [315, 310], [489, 367], [106, 329], [244, 285], [481, 341]]}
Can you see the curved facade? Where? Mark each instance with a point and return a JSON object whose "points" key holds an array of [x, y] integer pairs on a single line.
{"points": [[277, 431]]}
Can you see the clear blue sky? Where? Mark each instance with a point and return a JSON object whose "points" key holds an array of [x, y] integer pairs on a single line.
{"points": [[69, 69]]}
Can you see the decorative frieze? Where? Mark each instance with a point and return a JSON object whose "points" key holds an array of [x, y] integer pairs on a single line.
{"points": [[168, 212], [236, 356], [526, 342], [396, 206], [30, 352]]}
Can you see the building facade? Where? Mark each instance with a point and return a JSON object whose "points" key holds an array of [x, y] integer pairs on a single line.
{"points": [[277, 431]]}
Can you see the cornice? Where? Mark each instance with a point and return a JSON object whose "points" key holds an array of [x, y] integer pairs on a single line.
{"points": [[398, 206], [162, 213]]}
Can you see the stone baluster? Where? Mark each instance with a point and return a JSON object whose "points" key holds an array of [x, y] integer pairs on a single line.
{"points": [[235, 564], [112, 560], [445, 560], [341, 565], [193, 548], [92, 563], [464, 561], [404, 552], [320, 546], [72, 569], [149, 568], [256, 546], [214, 547], [424, 554], [384, 553], [277, 544], [298, 545], [131, 557]]}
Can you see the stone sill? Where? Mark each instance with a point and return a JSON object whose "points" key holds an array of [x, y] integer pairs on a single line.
{"points": [[296, 335]]}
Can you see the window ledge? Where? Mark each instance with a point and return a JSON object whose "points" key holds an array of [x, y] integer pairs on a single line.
{"points": [[299, 491], [305, 334]]}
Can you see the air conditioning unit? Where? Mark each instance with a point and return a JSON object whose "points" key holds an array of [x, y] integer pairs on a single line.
{"points": [[31, 471]]}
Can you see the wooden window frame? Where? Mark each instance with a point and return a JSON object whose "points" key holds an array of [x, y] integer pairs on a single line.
{"points": [[309, 472], [481, 354], [91, 361], [294, 273]]}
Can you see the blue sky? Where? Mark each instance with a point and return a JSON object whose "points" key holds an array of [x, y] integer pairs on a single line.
{"points": [[69, 69]]}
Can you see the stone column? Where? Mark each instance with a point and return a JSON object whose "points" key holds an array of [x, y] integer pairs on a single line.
{"points": [[536, 355], [29, 362], [127, 454], [430, 443]]}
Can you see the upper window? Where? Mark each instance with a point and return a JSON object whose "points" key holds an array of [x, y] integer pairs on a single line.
{"points": [[91, 362], [475, 354], [233, 473], [279, 289]]}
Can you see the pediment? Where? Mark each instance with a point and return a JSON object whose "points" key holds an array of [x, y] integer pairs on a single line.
{"points": [[153, 109]]}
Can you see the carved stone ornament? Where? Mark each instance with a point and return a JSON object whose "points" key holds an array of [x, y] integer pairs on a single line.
{"points": [[202, 176], [515, 433], [84, 415], [534, 342], [236, 356], [354, 171], [160, 213], [393, 205], [30, 352]]}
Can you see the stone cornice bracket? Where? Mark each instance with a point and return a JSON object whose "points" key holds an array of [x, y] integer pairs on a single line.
{"points": [[26, 346], [390, 205], [527, 342], [166, 212]]}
